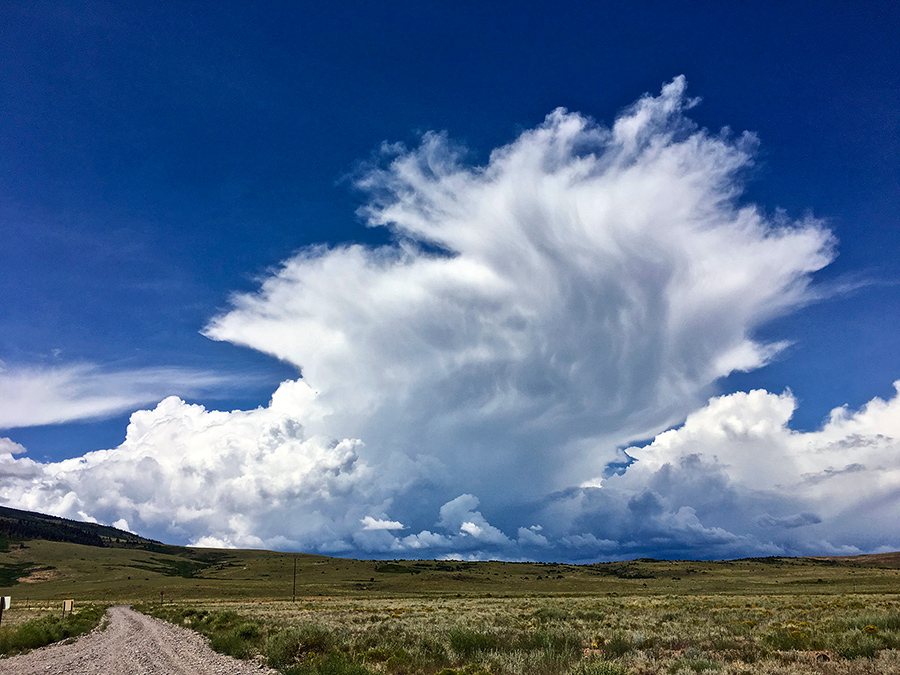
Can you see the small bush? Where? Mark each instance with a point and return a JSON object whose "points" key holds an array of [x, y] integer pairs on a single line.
{"points": [[860, 645], [886, 622], [248, 631], [287, 646], [474, 669], [377, 655], [399, 658], [224, 620], [590, 615], [232, 645], [617, 646], [469, 642], [431, 649], [545, 614], [787, 639], [549, 640]]}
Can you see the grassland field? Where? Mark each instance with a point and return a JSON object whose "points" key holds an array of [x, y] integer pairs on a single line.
{"points": [[644, 617]]}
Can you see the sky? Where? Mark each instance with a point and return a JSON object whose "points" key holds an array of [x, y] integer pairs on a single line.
{"points": [[512, 280]]}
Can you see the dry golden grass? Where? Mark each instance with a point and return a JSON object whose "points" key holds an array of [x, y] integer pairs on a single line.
{"points": [[784, 634], [646, 617]]}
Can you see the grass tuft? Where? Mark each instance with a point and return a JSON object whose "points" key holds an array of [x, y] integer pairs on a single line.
{"points": [[468, 643]]}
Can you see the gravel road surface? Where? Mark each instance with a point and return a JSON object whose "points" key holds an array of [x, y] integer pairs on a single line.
{"points": [[132, 644]]}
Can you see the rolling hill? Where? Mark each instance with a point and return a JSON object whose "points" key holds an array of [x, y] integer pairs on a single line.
{"points": [[17, 525], [45, 558]]}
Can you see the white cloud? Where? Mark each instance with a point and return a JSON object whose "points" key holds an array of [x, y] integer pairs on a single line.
{"points": [[425, 541], [122, 524], [735, 480], [530, 537], [10, 447], [16, 469], [259, 478], [595, 284], [471, 528], [459, 516], [241, 478], [370, 523], [584, 289], [31, 396]]}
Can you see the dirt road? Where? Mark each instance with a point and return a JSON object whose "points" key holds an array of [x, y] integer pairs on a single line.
{"points": [[132, 644]]}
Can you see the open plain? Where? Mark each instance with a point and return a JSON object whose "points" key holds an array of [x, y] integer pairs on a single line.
{"points": [[645, 617]]}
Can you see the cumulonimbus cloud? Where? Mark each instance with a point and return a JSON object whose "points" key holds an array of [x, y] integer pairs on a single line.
{"points": [[589, 285], [584, 289]]}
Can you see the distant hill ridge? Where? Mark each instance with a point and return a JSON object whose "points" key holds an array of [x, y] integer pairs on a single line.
{"points": [[18, 525]]}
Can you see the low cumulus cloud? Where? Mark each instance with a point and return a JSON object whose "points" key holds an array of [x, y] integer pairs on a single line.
{"points": [[735, 479], [466, 389]]}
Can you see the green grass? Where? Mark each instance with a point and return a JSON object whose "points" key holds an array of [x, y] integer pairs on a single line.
{"points": [[572, 635], [132, 575], [644, 617], [23, 637], [10, 573]]}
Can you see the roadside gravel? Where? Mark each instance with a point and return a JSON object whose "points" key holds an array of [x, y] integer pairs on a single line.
{"points": [[132, 644]]}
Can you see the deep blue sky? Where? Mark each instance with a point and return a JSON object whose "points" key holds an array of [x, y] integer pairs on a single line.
{"points": [[156, 158]]}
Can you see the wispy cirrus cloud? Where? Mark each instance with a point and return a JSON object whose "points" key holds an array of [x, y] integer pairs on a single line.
{"points": [[36, 395]]}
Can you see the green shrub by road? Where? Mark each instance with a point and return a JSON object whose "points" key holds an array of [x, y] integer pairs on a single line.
{"points": [[23, 637]]}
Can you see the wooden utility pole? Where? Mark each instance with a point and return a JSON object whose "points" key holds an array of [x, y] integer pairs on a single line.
{"points": [[294, 591]]}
